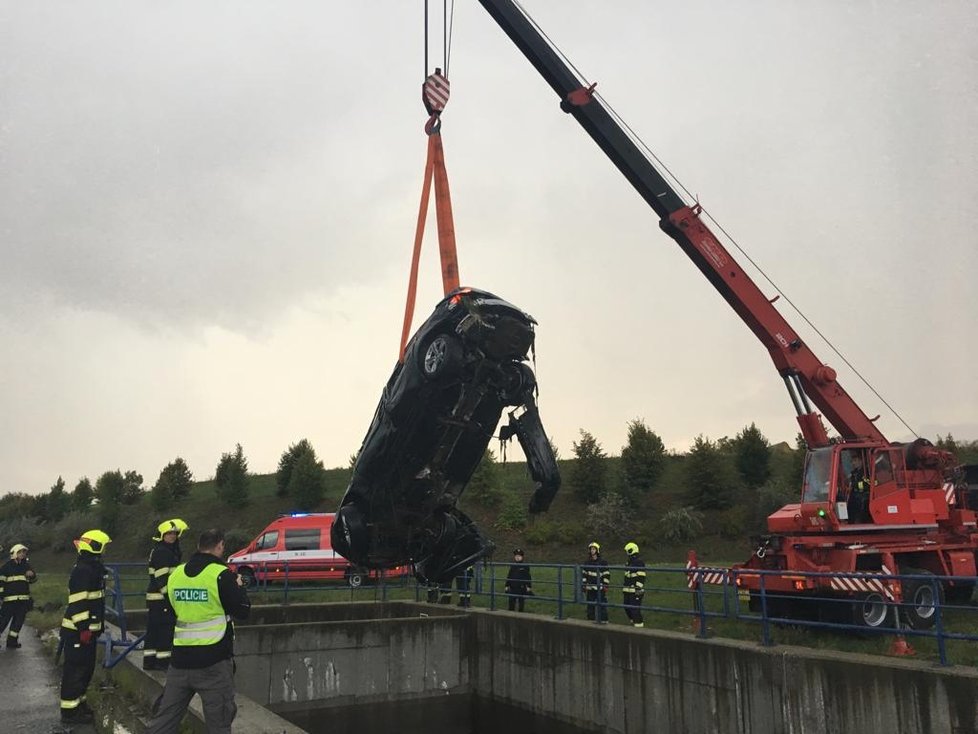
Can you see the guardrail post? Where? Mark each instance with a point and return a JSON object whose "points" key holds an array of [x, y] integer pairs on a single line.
{"points": [[492, 587], [765, 622], [939, 623], [703, 632], [560, 592]]}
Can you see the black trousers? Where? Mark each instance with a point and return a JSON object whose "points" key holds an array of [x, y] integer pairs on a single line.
{"points": [[633, 604], [597, 604], [78, 670], [158, 645], [516, 602], [13, 613]]}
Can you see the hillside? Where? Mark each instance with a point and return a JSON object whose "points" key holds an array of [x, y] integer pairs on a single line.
{"points": [[559, 535]]}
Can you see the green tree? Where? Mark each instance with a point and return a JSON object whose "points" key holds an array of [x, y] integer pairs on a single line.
{"points": [[109, 490], [132, 489], [709, 476], [82, 495], [484, 486], [798, 460], [58, 502], [231, 478], [752, 453], [588, 476], [307, 484], [286, 463], [642, 458], [609, 516], [173, 484]]}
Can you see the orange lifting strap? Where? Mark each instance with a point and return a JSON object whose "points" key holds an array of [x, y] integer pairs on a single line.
{"points": [[434, 95]]}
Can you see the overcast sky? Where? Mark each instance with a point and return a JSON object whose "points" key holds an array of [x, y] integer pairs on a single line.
{"points": [[207, 211]]}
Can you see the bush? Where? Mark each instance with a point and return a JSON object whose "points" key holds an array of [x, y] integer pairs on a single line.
{"points": [[680, 525], [734, 523], [236, 539], [25, 530], [70, 527], [543, 532], [514, 514], [609, 516]]}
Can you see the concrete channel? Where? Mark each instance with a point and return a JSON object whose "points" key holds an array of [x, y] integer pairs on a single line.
{"points": [[412, 667]]}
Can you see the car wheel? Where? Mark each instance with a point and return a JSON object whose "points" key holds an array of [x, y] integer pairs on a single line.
{"points": [[870, 610], [921, 598], [354, 577], [351, 540], [247, 576], [441, 357], [519, 380]]}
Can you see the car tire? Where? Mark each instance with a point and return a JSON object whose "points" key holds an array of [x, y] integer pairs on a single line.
{"points": [[355, 578], [352, 535], [519, 380], [441, 357]]}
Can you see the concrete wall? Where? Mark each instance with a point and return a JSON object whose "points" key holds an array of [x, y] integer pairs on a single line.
{"points": [[337, 654], [600, 678]]}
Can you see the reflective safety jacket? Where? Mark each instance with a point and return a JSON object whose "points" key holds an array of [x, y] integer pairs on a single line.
{"points": [[164, 558], [858, 480], [203, 634], [14, 581], [201, 619], [86, 596], [634, 576], [595, 574]]}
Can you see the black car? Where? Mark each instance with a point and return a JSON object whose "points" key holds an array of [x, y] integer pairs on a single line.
{"points": [[438, 412]]}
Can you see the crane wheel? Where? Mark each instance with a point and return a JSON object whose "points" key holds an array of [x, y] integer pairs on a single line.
{"points": [[921, 598]]}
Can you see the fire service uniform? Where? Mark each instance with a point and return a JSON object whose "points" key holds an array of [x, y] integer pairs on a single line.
{"points": [[634, 586], [16, 576], [596, 577], [164, 557], [82, 624]]}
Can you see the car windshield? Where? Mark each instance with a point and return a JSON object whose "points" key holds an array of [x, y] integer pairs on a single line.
{"points": [[818, 468]]}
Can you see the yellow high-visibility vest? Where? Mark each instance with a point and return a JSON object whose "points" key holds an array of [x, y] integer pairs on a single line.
{"points": [[201, 620]]}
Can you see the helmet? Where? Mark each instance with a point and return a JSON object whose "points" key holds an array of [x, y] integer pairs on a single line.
{"points": [[93, 541], [518, 552], [14, 550], [631, 549], [176, 525], [594, 544]]}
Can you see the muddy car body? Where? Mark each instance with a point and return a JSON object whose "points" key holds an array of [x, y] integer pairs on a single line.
{"points": [[438, 411]]}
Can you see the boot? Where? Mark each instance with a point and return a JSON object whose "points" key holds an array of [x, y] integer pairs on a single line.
{"points": [[13, 643], [80, 715]]}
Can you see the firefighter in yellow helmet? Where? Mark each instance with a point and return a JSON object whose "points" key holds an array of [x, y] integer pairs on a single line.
{"points": [[634, 586], [595, 578], [82, 624], [16, 575], [160, 618]]}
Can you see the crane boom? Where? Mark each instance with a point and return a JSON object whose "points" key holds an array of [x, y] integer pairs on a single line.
{"points": [[807, 378]]}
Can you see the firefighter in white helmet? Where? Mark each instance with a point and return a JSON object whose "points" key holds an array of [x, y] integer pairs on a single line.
{"points": [[16, 575], [160, 619], [595, 578]]}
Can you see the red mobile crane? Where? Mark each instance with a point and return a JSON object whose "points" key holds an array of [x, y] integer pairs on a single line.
{"points": [[913, 518]]}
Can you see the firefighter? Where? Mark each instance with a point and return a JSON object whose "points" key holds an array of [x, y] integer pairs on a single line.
{"points": [[595, 578], [16, 576], [518, 582], [164, 557], [634, 586], [82, 624], [463, 582]]}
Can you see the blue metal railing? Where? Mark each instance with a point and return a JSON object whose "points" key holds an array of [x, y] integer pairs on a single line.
{"points": [[701, 594]]}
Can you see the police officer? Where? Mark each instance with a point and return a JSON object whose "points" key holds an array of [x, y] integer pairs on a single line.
{"points": [[164, 557], [463, 582], [205, 594], [16, 575], [82, 624], [518, 582], [596, 577], [634, 586]]}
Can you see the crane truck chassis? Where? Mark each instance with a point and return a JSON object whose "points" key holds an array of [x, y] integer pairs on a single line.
{"points": [[915, 517]]}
